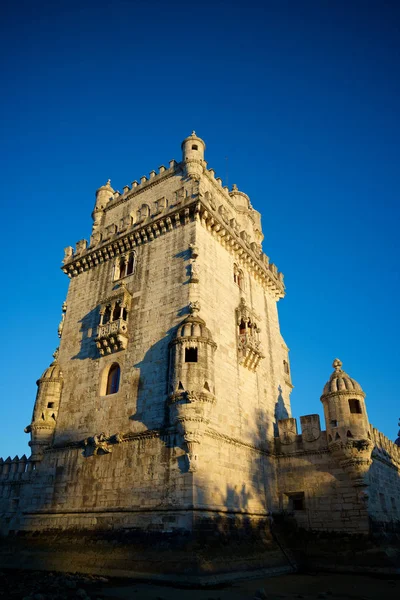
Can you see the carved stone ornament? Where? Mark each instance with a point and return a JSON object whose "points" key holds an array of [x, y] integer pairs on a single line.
{"points": [[61, 323], [194, 307], [288, 436], [194, 251], [311, 434], [101, 443]]}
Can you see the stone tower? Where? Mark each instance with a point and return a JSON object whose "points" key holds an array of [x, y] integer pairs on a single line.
{"points": [[171, 373], [166, 409]]}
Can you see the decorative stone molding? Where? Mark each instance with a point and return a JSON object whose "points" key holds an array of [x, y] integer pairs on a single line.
{"points": [[112, 335], [255, 262], [249, 345], [354, 456], [61, 324], [101, 443]]}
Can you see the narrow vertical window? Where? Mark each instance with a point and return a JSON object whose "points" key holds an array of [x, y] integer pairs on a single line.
{"points": [[116, 312], [131, 263], [107, 315], [122, 267], [113, 379]]}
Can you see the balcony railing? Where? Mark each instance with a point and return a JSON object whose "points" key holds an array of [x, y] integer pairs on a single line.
{"points": [[112, 336]]}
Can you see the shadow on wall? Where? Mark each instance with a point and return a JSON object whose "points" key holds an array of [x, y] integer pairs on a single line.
{"points": [[88, 328], [280, 410]]}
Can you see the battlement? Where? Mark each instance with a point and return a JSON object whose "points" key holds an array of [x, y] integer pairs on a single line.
{"points": [[311, 438], [145, 182], [384, 448], [15, 469]]}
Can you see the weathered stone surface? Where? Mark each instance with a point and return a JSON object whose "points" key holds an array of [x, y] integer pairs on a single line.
{"points": [[167, 407]]}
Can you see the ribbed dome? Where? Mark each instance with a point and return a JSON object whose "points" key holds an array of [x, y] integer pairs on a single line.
{"points": [[52, 372], [194, 326], [106, 188], [341, 382]]}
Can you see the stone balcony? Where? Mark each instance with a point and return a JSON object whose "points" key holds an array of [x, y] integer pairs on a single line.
{"points": [[249, 348], [112, 337]]}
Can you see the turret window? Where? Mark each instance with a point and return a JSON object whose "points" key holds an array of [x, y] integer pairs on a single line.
{"points": [[113, 379], [50, 405], [191, 355], [194, 147], [355, 406]]}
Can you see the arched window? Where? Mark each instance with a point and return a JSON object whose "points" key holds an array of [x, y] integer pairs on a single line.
{"points": [[113, 379], [242, 327]]}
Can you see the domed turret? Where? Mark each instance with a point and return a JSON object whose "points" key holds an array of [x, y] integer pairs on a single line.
{"points": [[46, 407], [103, 195], [193, 155], [192, 356], [240, 199], [347, 424]]}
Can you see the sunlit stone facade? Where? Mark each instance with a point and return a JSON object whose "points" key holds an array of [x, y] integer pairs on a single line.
{"points": [[167, 406]]}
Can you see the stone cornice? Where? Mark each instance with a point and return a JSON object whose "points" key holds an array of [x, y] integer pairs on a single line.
{"points": [[248, 254]]}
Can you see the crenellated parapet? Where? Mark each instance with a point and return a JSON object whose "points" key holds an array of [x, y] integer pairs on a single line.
{"points": [[16, 469], [195, 193], [310, 439], [384, 449]]}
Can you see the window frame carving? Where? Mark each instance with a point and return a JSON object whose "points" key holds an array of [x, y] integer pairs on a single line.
{"points": [[248, 337], [127, 259], [112, 331]]}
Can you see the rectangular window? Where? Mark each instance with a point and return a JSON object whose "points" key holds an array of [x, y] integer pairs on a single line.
{"points": [[296, 501], [50, 405], [334, 423], [190, 354], [355, 406]]}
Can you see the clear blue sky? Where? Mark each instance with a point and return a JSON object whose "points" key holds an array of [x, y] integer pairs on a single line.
{"points": [[303, 99]]}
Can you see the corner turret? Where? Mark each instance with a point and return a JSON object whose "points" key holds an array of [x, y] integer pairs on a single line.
{"points": [[191, 381], [45, 411], [193, 155], [347, 424]]}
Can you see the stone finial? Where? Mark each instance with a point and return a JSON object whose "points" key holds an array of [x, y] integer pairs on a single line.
{"points": [[234, 187], [108, 184], [337, 364], [194, 307], [55, 354], [193, 133]]}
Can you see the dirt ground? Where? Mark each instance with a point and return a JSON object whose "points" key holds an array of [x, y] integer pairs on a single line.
{"points": [[36, 585]]}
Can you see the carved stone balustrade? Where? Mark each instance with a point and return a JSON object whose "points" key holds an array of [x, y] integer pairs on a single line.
{"points": [[112, 337], [249, 349]]}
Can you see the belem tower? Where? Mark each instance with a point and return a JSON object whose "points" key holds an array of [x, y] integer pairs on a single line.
{"points": [[167, 405]]}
